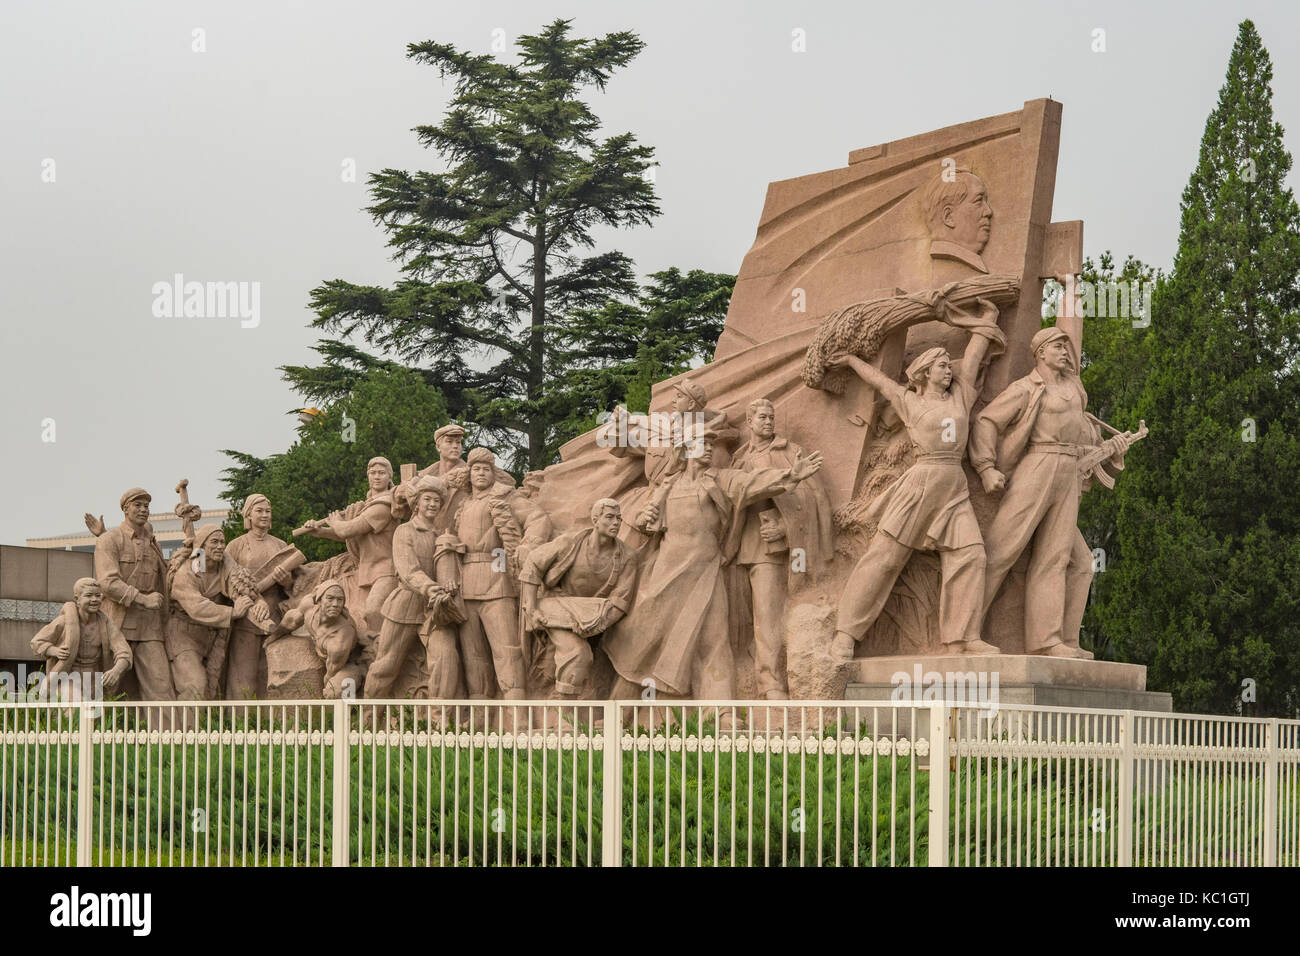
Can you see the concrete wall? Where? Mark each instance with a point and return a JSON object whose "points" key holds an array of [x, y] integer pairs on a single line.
{"points": [[35, 574]]}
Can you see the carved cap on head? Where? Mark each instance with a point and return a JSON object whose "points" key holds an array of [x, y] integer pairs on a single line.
{"points": [[448, 431], [254, 499], [201, 536], [381, 460], [318, 593], [692, 391], [477, 455], [131, 494], [427, 483], [1044, 337], [82, 585]]}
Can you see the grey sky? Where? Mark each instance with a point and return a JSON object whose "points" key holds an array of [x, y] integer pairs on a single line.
{"points": [[225, 166]]}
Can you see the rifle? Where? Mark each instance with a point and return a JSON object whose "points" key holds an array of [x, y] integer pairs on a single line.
{"points": [[1090, 463]]}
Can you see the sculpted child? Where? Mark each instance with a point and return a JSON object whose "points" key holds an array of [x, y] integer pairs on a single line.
{"points": [[84, 641]]}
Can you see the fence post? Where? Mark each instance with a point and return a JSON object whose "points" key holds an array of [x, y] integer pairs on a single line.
{"points": [[611, 814], [939, 783], [1273, 758], [1126, 808], [85, 764], [342, 785]]}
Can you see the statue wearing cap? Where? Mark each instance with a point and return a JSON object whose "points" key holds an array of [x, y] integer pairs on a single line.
{"points": [[209, 592], [324, 615], [1029, 440], [452, 468], [133, 577], [927, 508], [367, 528]]}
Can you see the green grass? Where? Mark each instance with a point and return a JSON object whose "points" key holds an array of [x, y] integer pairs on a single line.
{"points": [[272, 804]]}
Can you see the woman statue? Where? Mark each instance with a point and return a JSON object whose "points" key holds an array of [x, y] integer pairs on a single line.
{"points": [[928, 507]]}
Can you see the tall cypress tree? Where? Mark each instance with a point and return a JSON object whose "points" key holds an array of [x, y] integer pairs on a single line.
{"points": [[498, 251], [1207, 591]]}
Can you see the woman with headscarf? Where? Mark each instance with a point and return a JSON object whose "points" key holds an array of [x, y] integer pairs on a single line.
{"points": [[928, 507], [272, 563]]}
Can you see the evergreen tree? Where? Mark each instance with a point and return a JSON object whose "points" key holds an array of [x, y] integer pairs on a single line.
{"points": [[497, 252], [1207, 589]]}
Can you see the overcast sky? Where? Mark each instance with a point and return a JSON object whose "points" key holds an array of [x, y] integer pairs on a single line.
{"points": [[225, 165]]}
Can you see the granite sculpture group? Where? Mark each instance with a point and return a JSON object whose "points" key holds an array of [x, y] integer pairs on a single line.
{"points": [[669, 553]]}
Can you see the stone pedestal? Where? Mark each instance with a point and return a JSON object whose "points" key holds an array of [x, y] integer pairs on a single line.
{"points": [[1005, 679]]}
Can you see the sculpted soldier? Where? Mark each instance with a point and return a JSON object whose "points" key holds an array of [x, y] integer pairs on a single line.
{"points": [[367, 528], [577, 587], [82, 641], [1029, 440], [422, 604], [325, 616], [272, 563], [209, 592], [780, 541], [928, 507], [133, 577], [490, 533], [451, 468], [676, 637]]}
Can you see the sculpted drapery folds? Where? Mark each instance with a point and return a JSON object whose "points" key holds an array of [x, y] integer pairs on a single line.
{"points": [[272, 563], [425, 604], [675, 640], [928, 507], [780, 544]]}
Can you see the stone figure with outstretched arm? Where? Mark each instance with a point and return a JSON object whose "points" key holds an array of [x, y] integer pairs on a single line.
{"points": [[928, 507]]}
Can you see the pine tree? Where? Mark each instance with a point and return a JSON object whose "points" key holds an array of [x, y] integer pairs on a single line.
{"points": [[1207, 591], [497, 252]]}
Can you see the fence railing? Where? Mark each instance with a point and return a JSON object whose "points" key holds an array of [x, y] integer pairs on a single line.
{"points": [[641, 783]]}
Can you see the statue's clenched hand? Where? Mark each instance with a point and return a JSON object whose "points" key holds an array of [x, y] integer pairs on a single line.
{"points": [[993, 480]]}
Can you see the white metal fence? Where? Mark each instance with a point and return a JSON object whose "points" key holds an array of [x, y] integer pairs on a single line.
{"points": [[640, 783]]}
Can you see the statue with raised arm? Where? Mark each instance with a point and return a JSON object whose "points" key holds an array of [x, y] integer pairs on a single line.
{"points": [[209, 592], [676, 640], [928, 507], [367, 528]]}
